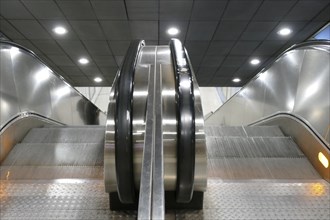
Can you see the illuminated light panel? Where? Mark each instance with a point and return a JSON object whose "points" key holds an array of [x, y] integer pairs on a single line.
{"points": [[83, 60], [98, 79], [284, 31], [60, 30], [255, 61], [324, 161], [173, 31], [236, 80]]}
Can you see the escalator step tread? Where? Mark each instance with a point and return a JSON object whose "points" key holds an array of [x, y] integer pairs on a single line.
{"points": [[251, 147], [55, 154], [65, 135]]}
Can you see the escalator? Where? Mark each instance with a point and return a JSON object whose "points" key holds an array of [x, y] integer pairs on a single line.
{"points": [[59, 154]]}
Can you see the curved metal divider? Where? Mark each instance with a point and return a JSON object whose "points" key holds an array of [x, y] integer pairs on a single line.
{"points": [[123, 125], [186, 123]]}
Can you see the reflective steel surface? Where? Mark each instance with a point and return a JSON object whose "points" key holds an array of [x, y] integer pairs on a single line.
{"points": [[297, 83], [27, 84], [156, 58]]}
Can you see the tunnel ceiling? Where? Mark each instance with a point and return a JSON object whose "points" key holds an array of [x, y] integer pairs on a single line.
{"points": [[221, 36]]}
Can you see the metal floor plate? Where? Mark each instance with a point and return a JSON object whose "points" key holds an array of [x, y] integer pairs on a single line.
{"points": [[86, 199]]}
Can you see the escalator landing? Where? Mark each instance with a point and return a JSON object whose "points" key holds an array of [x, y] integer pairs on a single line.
{"points": [[234, 199]]}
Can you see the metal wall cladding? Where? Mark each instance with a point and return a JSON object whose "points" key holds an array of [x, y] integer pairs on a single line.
{"points": [[28, 85], [296, 83]]}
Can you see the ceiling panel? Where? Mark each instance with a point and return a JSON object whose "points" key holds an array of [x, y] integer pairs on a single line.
{"points": [[207, 10], [88, 30], [97, 47], [48, 47], [175, 10], [295, 26], [241, 10], [116, 30], [43, 9], [267, 48], [244, 47], [119, 48], [219, 48], [109, 10], [61, 60], [258, 30], [119, 60], [196, 48], [10, 30], [230, 30], [201, 30], [105, 61], [147, 30], [305, 10], [273, 10], [109, 71], [12, 9], [211, 61], [31, 29], [196, 60], [77, 9], [234, 61], [72, 70], [207, 72], [75, 49], [221, 36], [81, 80], [142, 10], [165, 25], [49, 25], [90, 70], [226, 71]]}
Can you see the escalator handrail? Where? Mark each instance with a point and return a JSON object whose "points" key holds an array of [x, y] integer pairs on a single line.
{"points": [[185, 107], [123, 125]]}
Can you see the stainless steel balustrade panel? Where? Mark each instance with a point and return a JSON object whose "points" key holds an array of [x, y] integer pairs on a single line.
{"points": [[32, 84], [8, 96], [281, 82], [60, 95], [29, 85], [313, 94], [296, 83]]}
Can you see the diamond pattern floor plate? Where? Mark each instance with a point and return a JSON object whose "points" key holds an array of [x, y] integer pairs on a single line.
{"points": [[86, 199]]}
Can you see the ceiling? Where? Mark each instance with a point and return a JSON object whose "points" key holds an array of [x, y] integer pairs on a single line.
{"points": [[221, 36]]}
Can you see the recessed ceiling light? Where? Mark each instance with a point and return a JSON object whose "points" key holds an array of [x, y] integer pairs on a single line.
{"points": [[83, 60], [236, 80], [60, 30], [255, 61], [173, 31], [98, 79], [284, 31]]}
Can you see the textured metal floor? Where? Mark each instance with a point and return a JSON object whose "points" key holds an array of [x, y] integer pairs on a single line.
{"points": [[246, 180]]}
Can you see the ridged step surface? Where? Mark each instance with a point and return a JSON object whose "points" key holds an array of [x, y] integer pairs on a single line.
{"points": [[260, 152], [93, 134]]}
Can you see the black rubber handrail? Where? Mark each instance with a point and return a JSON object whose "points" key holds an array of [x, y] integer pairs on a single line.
{"points": [[123, 125], [298, 119], [185, 107]]}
